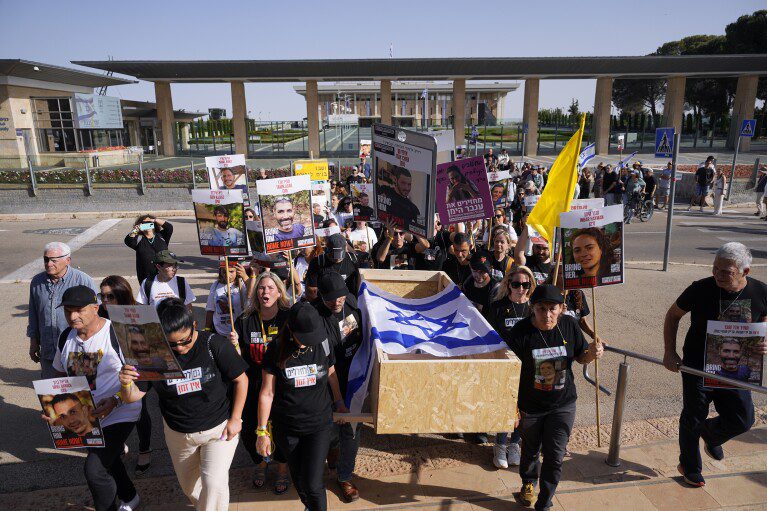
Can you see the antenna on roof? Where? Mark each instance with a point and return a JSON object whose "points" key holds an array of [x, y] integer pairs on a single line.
{"points": [[391, 50], [103, 89]]}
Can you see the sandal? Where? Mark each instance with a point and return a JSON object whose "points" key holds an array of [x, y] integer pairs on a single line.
{"points": [[259, 476], [281, 485]]}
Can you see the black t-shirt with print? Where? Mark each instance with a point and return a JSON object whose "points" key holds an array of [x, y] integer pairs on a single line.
{"points": [[540, 271], [503, 314], [346, 268], [345, 334], [574, 308], [708, 302], [480, 295], [402, 258], [253, 344], [302, 401], [499, 268], [199, 401], [457, 272], [431, 259], [546, 381]]}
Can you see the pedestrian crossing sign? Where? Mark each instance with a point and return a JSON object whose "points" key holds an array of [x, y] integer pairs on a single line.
{"points": [[664, 142], [747, 128]]}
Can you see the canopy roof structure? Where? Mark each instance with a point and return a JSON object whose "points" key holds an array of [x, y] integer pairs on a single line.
{"points": [[28, 69]]}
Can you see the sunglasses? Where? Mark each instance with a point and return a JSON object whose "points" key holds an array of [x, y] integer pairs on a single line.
{"points": [[399, 234], [106, 296], [498, 216], [47, 259], [516, 285], [186, 341]]}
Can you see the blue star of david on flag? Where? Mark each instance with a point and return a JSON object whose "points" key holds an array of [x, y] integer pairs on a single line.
{"points": [[420, 321]]}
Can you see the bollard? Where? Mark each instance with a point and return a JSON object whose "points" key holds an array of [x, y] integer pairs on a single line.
{"points": [[32, 178], [191, 169], [88, 182], [141, 173], [613, 456]]}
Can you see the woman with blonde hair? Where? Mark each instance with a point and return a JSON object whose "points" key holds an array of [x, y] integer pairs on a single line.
{"points": [[509, 307], [259, 325]]}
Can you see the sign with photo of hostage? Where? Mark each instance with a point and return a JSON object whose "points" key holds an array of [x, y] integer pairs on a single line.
{"points": [[143, 342], [286, 213], [362, 196], [462, 191], [228, 172], [360, 241], [403, 163], [68, 405], [220, 222], [320, 202], [593, 247], [730, 352], [499, 188]]}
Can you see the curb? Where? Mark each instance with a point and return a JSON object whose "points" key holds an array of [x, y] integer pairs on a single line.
{"points": [[24, 217]]}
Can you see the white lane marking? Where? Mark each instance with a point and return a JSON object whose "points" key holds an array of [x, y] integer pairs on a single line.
{"points": [[741, 240], [646, 232], [31, 269]]}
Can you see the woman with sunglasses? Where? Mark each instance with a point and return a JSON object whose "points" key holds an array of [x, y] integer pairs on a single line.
{"points": [[511, 305], [149, 236], [201, 423]]}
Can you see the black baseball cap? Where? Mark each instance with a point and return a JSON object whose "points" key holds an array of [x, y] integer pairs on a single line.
{"points": [[478, 262], [78, 296], [335, 246], [306, 325], [547, 293], [332, 286], [166, 257]]}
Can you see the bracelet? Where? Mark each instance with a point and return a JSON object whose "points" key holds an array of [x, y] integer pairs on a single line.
{"points": [[126, 387]]}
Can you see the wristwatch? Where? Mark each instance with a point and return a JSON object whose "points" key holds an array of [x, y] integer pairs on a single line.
{"points": [[118, 399]]}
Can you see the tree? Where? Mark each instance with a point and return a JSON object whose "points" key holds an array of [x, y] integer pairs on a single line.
{"points": [[574, 111], [747, 35], [636, 95]]}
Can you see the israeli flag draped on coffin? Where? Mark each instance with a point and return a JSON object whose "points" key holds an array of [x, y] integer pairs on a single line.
{"points": [[444, 325]]}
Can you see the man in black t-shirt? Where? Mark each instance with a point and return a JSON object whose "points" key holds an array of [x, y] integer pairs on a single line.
{"points": [[336, 258], [342, 320], [393, 252], [457, 264], [712, 299], [480, 288], [547, 342], [704, 178], [395, 202]]}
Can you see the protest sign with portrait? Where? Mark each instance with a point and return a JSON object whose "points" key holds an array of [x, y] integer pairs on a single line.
{"points": [[404, 162], [220, 222], [499, 188], [359, 240], [255, 236], [68, 404], [286, 213], [362, 194], [592, 242], [321, 209], [228, 172], [317, 170], [364, 149], [463, 191], [143, 342], [730, 352]]}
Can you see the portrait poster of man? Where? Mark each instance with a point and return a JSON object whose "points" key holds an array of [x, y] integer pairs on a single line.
{"points": [[220, 222], [317, 170], [592, 242], [68, 406], [362, 196], [403, 164], [255, 236], [463, 191], [321, 208], [286, 213], [730, 352], [143, 342], [499, 192], [359, 239], [228, 172]]}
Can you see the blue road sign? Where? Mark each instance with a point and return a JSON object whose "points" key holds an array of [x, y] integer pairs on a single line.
{"points": [[747, 128], [524, 128], [664, 142]]}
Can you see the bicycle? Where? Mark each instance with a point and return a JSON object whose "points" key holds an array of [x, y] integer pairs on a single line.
{"points": [[637, 207]]}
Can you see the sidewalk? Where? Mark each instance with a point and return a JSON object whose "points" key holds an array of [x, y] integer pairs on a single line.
{"points": [[462, 478]]}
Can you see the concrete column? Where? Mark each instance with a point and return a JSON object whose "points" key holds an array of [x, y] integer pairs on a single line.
{"points": [[459, 109], [530, 116], [386, 101], [185, 136], [602, 102], [239, 111], [742, 108], [673, 108], [135, 128], [312, 117], [164, 101]]}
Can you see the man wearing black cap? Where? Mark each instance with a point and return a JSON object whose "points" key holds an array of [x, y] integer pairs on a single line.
{"points": [[299, 391], [89, 348], [547, 342], [342, 319], [166, 283], [480, 287], [335, 259]]}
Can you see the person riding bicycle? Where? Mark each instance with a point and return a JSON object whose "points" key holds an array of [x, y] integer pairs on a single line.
{"points": [[634, 192]]}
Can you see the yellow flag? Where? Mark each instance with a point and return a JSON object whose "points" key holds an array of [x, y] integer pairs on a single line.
{"points": [[559, 190]]}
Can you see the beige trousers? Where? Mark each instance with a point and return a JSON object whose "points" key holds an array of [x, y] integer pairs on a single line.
{"points": [[202, 462]]}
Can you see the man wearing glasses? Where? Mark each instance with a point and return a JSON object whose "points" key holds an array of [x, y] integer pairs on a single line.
{"points": [[166, 284], [46, 322]]}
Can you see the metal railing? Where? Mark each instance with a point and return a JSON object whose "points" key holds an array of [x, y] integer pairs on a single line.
{"points": [[613, 455]]}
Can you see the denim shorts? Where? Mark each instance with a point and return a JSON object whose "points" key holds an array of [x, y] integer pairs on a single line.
{"points": [[701, 190]]}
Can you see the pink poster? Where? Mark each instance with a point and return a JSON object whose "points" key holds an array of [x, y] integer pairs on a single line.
{"points": [[462, 192]]}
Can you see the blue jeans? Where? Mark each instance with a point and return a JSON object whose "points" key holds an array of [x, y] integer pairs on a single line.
{"points": [[501, 438], [348, 442]]}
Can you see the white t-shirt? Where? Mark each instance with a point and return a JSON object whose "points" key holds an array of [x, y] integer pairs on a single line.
{"points": [[162, 290], [96, 359], [218, 303]]}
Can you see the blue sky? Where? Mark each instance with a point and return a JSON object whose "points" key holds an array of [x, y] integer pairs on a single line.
{"points": [[169, 29]]}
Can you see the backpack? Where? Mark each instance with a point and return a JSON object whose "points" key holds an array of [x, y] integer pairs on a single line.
{"points": [[181, 287], [112, 338]]}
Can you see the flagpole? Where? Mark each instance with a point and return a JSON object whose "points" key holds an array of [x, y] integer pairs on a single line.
{"points": [[290, 273], [596, 363]]}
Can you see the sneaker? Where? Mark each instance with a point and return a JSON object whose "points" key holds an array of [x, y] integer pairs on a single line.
{"points": [[143, 462], [514, 454], [693, 479], [133, 505], [527, 494], [499, 456], [714, 451]]}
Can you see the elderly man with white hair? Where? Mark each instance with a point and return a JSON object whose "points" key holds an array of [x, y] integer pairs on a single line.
{"points": [[46, 321], [715, 298]]}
